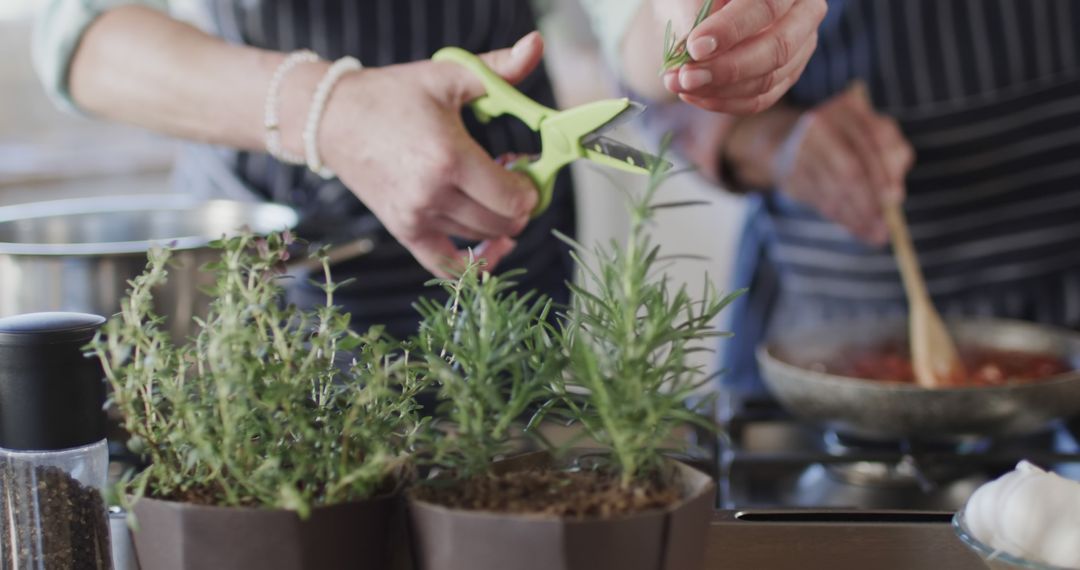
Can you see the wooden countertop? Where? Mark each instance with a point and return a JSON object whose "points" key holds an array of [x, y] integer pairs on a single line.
{"points": [[834, 540]]}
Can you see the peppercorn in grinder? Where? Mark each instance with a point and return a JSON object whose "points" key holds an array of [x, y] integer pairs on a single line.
{"points": [[53, 453]]}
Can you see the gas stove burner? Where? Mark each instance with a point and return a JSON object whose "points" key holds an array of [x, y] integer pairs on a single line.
{"points": [[872, 485], [840, 444], [904, 473], [768, 459]]}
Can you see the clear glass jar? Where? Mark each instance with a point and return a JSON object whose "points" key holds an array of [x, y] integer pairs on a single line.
{"points": [[52, 509]]}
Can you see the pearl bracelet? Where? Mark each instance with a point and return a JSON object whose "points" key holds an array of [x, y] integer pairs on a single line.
{"points": [[315, 112], [271, 121]]}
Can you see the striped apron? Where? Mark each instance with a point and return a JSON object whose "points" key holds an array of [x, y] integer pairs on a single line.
{"points": [[380, 32], [988, 93]]}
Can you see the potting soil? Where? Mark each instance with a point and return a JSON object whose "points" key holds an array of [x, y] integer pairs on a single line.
{"points": [[51, 521], [581, 494]]}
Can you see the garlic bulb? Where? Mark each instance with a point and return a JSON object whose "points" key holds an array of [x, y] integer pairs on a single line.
{"points": [[1029, 513]]}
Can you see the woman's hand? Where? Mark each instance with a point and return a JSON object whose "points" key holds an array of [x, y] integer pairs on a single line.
{"points": [[746, 54], [845, 159], [394, 136]]}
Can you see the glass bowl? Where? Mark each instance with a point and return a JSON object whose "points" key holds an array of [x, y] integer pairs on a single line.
{"points": [[995, 559]]}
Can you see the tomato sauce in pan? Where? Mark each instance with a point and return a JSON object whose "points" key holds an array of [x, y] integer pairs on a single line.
{"points": [[984, 367]]}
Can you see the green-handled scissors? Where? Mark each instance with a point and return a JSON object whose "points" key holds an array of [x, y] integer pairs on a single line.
{"points": [[565, 136]]}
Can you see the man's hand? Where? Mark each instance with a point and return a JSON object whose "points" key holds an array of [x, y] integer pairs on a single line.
{"points": [[394, 136], [845, 160], [746, 54]]}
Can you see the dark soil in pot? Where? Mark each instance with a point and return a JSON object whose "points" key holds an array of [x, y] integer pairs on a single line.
{"points": [[51, 521], [575, 494], [534, 516]]}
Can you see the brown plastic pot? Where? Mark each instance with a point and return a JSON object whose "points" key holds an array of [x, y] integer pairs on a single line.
{"points": [[669, 539], [181, 536]]}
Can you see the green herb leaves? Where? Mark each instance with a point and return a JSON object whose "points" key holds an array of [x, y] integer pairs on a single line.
{"points": [[492, 355], [615, 363], [627, 337], [264, 407], [675, 54]]}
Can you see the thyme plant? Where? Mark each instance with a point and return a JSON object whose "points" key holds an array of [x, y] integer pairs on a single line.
{"points": [[262, 407], [493, 356], [627, 336], [675, 53]]}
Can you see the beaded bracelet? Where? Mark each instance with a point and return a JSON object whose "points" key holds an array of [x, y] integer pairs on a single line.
{"points": [[318, 105], [271, 121]]}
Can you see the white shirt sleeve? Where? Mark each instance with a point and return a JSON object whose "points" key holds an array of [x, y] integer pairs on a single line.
{"points": [[58, 28], [610, 20]]}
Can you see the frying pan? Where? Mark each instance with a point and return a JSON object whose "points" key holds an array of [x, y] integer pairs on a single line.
{"points": [[891, 410]]}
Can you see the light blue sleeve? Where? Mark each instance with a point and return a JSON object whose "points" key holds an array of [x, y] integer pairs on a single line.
{"points": [[610, 20], [58, 28]]}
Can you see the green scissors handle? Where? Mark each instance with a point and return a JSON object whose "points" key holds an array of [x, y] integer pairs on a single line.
{"points": [[561, 132], [501, 98]]}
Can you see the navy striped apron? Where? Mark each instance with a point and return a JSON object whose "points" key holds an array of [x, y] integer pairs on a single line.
{"points": [[988, 93], [381, 32]]}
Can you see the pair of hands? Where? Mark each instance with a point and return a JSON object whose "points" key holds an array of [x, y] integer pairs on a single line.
{"points": [[394, 135]]}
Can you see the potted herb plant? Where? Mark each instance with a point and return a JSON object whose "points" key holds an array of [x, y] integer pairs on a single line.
{"points": [[617, 367], [275, 438]]}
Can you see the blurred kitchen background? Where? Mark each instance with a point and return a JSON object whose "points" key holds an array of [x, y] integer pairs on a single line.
{"points": [[46, 154]]}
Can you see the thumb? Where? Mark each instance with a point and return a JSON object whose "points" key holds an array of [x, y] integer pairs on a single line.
{"points": [[517, 62], [512, 64]]}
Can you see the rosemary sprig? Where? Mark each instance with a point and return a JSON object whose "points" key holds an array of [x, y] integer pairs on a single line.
{"points": [[675, 54], [627, 337], [492, 355], [267, 405]]}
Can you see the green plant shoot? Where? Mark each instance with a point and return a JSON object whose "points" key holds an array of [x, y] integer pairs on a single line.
{"points": [[675, 54], [267, 405], [492, 355], [627, 336]]}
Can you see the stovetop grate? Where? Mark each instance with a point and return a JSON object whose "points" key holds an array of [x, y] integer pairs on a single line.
{"points": [[763, 453]]}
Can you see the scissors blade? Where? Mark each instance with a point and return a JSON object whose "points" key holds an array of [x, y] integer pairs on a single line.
{"points": [[623, 153], [625, 116]]}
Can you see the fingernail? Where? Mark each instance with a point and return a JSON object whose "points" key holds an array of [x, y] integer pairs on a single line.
{"points": [[671, 81], [702, 47], [691, 79], [521, 45]]}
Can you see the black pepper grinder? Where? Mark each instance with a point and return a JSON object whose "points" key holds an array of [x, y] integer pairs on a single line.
{"points": [[54, 456]]}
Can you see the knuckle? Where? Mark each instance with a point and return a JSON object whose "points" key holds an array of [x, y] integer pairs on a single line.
{"points": [[769, 81], [759, 104], [426, 201], [732, 29], [408, 232], [727, 70], [782, 48], [444, 165], [412, 221], [773, 9]]}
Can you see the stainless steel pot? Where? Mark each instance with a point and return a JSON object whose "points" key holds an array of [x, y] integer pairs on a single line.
{"points": [[890, 410], [78, 255]]}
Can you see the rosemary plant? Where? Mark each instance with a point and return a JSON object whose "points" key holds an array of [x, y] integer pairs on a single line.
{"points": [[675, 54], [262, 407], [627, 336], [493, 356]]}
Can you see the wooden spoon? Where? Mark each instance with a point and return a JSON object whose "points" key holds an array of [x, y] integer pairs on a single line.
{"points": [[934, 357], [933, 353]]}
